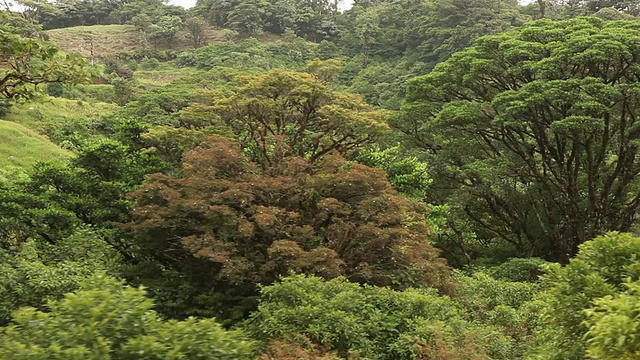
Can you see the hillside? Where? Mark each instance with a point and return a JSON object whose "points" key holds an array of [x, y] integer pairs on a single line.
{"points": [[109, 40], [40, 114], [23, 147], [27, 131]]}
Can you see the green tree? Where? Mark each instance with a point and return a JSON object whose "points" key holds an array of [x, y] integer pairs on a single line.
{"points": [[165, 29], [89, 190], [143, 23], [124, 90], [532, 134], [407, 174], [248, 17], [29, 62], [586, 309], [107, 320], [196, 29], [299, 114]]}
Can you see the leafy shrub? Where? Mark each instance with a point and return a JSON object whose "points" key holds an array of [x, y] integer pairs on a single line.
{"points": [[519, 269], [500, 305], [106, 320], [372, 322], [149, 63], [132, 65], [55, 89], [481, 293], [583, 302], [613, 325], [113, 65], [37, 272]]}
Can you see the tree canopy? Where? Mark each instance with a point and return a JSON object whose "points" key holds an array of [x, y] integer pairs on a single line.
{"points": [[228, 223], [299, 114], [533, 133]]}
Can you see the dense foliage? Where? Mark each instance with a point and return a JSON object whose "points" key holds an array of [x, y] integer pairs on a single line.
{"points": [[254, 179], [379, 323], [532, 134], [225, 224], [106, 320], [588, 310]]}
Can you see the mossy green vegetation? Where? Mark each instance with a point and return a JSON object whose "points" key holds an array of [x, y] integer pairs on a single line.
{"points": [[38, 114], [23, 147]]}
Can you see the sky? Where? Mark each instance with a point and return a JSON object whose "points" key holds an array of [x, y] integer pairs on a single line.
{"points": [[344, 4], [184, 3]]}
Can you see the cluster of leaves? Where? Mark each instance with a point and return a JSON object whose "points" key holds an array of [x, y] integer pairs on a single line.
{"points": [[106, 320], [587, 307], [379, 323], [407, 174]]}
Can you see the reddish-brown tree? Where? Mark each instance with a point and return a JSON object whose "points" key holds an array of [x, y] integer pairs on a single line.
{"points": [[228, 222]]}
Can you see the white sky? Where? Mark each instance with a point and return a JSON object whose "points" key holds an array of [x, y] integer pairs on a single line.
{"points": [[344, 4], [184, 3]]}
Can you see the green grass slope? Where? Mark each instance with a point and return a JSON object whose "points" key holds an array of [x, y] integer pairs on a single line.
{"points": [[22, 142], [22, 147], [43, 113], [109, 40]]}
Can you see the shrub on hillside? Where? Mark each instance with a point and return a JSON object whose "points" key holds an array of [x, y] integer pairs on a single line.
{"points": [[587, 306], [372, 322], [107, 320]]}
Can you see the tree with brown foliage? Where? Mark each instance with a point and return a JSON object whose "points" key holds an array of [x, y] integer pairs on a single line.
{"points": [[228, 224], [291, 350]]}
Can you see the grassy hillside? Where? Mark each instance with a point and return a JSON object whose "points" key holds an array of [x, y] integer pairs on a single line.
{"points": [[112, 39], [22, 132], [161, 77], [107, 39], [41, 113], [22, 147]]}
